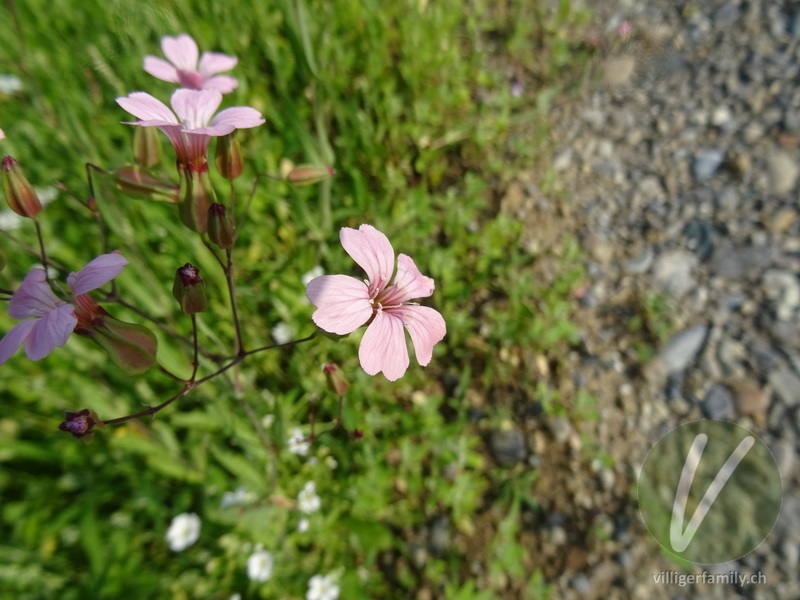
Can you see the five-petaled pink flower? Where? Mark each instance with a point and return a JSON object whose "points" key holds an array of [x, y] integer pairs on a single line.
{"points": [[181, 65], [345, 303], [53, 319], [195, 123]]}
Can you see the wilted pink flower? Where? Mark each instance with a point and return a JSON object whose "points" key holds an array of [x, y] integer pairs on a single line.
{"points": [[182, 68], [53, 319], [195, 123], [345, 303]]}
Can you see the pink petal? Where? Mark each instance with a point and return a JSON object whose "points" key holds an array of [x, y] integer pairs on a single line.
{"points": [[195, 107], [158, 67], [151, 111], [383, 347], [408, 282], [372, 252], [2, 135], [33, 298], [181, 51], [426, 328], [14, 338], [342, 303], [50, 331], [224, 83], [238, 117], [212, 63], [97, 272]]}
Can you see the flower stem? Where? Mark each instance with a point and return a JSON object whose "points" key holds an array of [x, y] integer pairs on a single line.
{"points": [[195, 363], [42, 253], [232, 293]]}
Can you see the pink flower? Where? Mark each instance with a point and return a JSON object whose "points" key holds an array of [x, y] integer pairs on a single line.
{"points": [[195, 123], [181, 65], [53, 320], [344, 304]]}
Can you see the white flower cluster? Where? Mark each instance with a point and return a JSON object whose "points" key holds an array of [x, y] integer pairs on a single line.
{"points": [[183, 531]]}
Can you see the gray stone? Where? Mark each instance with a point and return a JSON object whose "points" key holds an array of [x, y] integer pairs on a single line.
{"points": [[682, 348], [786, 386], [507, 446], [783, 172], [718, 403], [672, 272], [783, 289], [707, 163], [726, 15], [640, 264], [740, 263]]}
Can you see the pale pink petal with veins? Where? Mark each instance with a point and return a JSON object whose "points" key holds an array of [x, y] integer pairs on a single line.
{"points": [[33, 298], [383, 347], [372, 251], [181, 51], [342, 303], [97, 272], [50, 331], [426, 328]]}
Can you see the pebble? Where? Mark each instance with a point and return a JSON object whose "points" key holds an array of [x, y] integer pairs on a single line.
{"points": [[707, 163], [507, 446], [618, 70], [750, 400], [786, 385], [718, 403], [682, 348], [672, 272], [783, 289], [783, 172]]}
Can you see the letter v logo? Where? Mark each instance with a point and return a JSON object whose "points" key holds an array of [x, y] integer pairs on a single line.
{"points": [[680, 538]]}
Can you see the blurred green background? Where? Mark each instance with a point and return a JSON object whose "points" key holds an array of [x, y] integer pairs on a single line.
{"points": [[416, 105]]}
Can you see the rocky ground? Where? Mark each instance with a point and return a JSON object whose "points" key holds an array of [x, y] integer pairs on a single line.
{"points": [[678, 169]]}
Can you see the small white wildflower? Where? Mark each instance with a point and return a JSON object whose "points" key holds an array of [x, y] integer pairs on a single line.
{"points": [[10, 84], [297, 443], [9, 220], [312, 274], [239, 496], [322, 588], [282, 333], [312, 461], [183, 531], [259, 566], [268, 420], [307, 500], [331, 462], [235, 597], [46, 194], [302, 525]]}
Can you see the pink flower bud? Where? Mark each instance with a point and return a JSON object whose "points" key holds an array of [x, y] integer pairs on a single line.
{"points": [[309, 174], [189, 290], [146, 147], [20, 195], [336, 380], [132, 347], [138, 183], [197, 197], [81, 424], [229, 156], [220, 226]]}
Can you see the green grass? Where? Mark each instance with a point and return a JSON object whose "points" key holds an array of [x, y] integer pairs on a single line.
{"points": [[411, 103]]}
